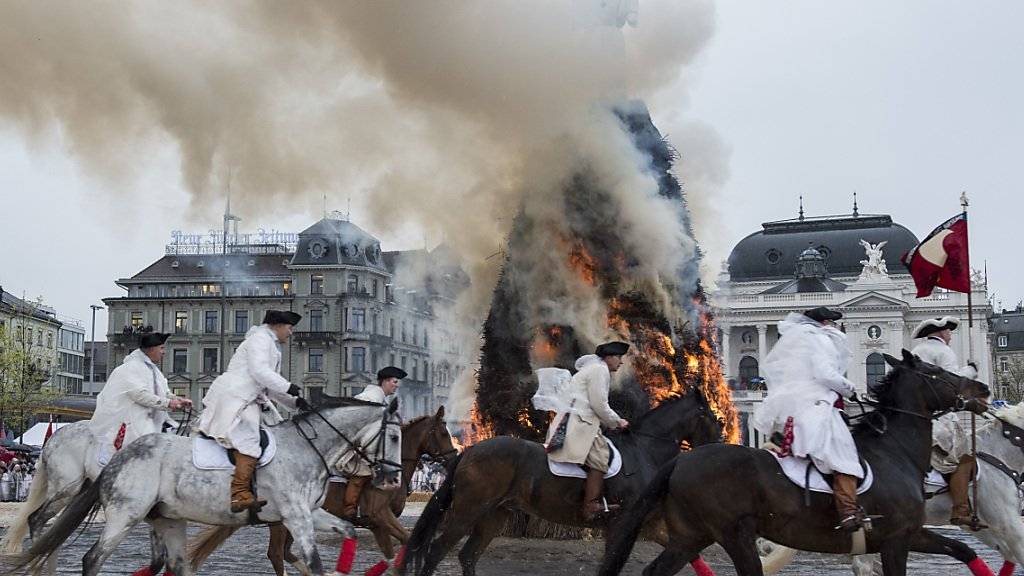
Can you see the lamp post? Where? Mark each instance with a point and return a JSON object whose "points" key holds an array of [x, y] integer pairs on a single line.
{"points": [[92, 346]]}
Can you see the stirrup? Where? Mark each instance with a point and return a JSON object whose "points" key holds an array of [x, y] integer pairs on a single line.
{"points": [[972, 523], [238, 506]]}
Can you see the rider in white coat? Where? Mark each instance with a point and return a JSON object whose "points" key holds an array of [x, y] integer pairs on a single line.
{"points": [[135, 398], [804, 373], [232, 407], [950, 449]]}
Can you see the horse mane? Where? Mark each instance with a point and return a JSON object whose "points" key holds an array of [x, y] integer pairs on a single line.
{"points": [[327, 402], [884, 393], [670, 400]]}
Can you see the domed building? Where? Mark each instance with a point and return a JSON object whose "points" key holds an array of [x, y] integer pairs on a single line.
{"points": [[850, 263]]}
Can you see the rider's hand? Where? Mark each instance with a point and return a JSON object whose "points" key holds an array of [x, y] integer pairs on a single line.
{"points": [[294, 390], [177, 403], [623, 424], [302, 404]]}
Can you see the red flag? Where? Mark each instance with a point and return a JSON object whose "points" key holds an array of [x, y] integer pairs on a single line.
{"points": [[49, 431], [942, 259]]}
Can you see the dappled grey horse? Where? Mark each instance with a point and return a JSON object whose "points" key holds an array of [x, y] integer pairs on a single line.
{"points": [[154, 479]]}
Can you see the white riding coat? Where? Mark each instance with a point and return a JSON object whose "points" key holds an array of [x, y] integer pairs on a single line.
{"points": [[232, 407], [351, 465], [588, 410], [804, 376], [135, 395], [947, 433]]}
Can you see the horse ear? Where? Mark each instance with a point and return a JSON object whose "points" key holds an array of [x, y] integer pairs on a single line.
{"points": [[909, 358], [393, 406], [440, 413], [891, 361]]}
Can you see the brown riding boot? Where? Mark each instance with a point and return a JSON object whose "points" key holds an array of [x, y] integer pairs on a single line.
{"points": [[844, 488], [592, 504], [352, 491], [959, 482], [242, 497]]}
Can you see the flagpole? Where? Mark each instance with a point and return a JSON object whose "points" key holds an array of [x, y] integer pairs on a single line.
{"points": [[975, 521]]}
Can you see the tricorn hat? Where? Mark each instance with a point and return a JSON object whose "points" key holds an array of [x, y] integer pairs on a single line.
{"points": [[391, 372], [821, 314], [150, 339], [933, 325], [281, 317], [612, 349]]}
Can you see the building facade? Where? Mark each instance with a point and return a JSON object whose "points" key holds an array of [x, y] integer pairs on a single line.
{"points": [[842, 262], [70, 372], [95, 372], [33, 328], [360, 311], [1007, 337]]}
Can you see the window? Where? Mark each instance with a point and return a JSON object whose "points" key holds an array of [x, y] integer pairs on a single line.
{"points": [[376, 287], [179, 363], [403, 362], [426, 339], [415, 334], [39, 338], [376, 323], [353, 284], [21, 333], [875, 367], [209, 360], [1002, 340], [181, 322], [404, 333], [286, 288], [1004, 364], [359, 359], [749, 373], [392, 363], [210, 322], [49, 339], [316, 320], [316, 284], [30, 336], [415, 369], [374, 361], [316, 359], [209, 289], [136, 320], [358, 320], [391, 333], [241, 321]]}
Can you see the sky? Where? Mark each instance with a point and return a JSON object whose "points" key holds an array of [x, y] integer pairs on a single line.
{"points": [[908, 104]]}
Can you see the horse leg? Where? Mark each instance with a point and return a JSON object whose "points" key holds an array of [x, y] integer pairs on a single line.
{"points": [[157, 551], [894, 556], [279, 540], [116, 528], [480, 538], [300, 525], [740, 543], [929, 542], [458, 523], [170, 536]]}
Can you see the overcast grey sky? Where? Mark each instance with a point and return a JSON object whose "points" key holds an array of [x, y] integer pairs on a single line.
{"points": [[907, 103]]}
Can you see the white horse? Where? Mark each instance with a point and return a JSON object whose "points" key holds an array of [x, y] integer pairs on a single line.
{"points": [[999, 501], [154, 479]]}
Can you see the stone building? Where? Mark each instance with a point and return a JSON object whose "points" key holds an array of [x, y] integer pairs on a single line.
{"points": [[362, 309], [70, 368], [1007, 335], [95, 375], [849, 263], [34, 328]]}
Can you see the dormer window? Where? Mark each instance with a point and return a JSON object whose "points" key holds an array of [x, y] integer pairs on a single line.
{"points": [[175, 264], [201, 264], [252, 263]]}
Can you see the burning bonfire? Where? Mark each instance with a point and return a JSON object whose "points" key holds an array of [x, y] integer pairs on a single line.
{"points": [[583, 264]]}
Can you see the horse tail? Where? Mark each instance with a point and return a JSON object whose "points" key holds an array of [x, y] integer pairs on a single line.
{"points": [[16, 532], [426, 527], [84, 504], [777, 559], [207, 542], [622, 533]]}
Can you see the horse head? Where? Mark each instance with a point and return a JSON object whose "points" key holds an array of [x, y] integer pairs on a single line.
{"points": [[377, 441], [688, 417], [438, 442], [929, 387]]}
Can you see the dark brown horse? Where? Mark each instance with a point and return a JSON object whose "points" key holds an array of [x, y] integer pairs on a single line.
{"points": [[733, 494], [490, 480], [423, 436]]}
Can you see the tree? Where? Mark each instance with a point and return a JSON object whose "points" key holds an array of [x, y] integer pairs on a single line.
{"points": [[1011, 380], [24, 381]]}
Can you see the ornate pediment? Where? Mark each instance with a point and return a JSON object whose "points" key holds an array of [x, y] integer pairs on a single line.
{"points": [[874, 300]]}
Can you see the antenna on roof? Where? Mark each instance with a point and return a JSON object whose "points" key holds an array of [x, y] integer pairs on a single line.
{"points": [[801, 207], [348, 210], [855, 212], [229, 217]]}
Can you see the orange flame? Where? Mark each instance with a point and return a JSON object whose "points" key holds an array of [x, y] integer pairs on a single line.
{"points": [[583, 263]]}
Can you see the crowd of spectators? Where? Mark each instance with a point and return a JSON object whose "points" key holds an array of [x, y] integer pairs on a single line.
{"points": [[15, 478], [427, 477]]}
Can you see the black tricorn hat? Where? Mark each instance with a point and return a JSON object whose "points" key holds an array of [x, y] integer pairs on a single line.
{"points": [[391, 372], [281, 317], [151, 339], [612, 349], [822, 313]]}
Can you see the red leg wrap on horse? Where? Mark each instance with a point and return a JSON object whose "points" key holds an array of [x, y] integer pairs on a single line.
{"points": [[346, 556], [979, 568], [168, 573], [377, 569], [400, 557], [701, 568], [143, 572], [1007, 569]]}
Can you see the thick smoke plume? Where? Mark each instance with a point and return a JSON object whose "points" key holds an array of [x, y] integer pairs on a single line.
{"points": [[444, 119]]}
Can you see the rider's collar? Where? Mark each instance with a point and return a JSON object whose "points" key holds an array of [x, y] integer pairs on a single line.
{"points": [[936, 338]]}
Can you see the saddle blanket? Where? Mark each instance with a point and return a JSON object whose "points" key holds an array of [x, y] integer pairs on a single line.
{"points": [[208, 455], [934, 482], [796, 470], [568, 470]]}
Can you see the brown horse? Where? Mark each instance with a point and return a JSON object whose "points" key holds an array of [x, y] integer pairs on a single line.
{"points": [[423, 436]]}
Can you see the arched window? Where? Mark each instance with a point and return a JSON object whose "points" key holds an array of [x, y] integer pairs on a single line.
{"points": [[875, 368], [748, 371]]}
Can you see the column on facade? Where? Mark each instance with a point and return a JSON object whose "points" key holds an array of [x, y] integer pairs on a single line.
{"points": [[762, 342], [723, 348]]}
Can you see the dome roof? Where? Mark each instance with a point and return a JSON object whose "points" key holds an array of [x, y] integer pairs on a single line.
{"points": [[772, 253], [332, 242]]}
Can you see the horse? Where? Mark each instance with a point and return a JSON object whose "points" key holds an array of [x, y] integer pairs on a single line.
{"points": [[423, 436], [731, 494], [492, 479], [999, 497], [154, 479]]}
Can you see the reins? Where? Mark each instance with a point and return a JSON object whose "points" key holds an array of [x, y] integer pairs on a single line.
{"points": [[185, 424], [961, 403], [385, 422]]}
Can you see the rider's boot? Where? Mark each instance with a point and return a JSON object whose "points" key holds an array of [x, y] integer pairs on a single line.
{"points": [[242, 497], [844, 488], [959, 482], [592, 504], [353, 489]]}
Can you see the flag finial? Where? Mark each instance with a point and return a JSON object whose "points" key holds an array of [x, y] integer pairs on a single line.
{"points": [[963, 200], [801, 207], [855, 212]]}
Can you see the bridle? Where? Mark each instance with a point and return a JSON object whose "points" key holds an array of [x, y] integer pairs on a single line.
{"points": [[376, 463], [434, 450], [931, 380]]}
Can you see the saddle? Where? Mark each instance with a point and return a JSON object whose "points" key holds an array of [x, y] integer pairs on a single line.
{"points": [[803, 473], [569, 470], [207, 454]]}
